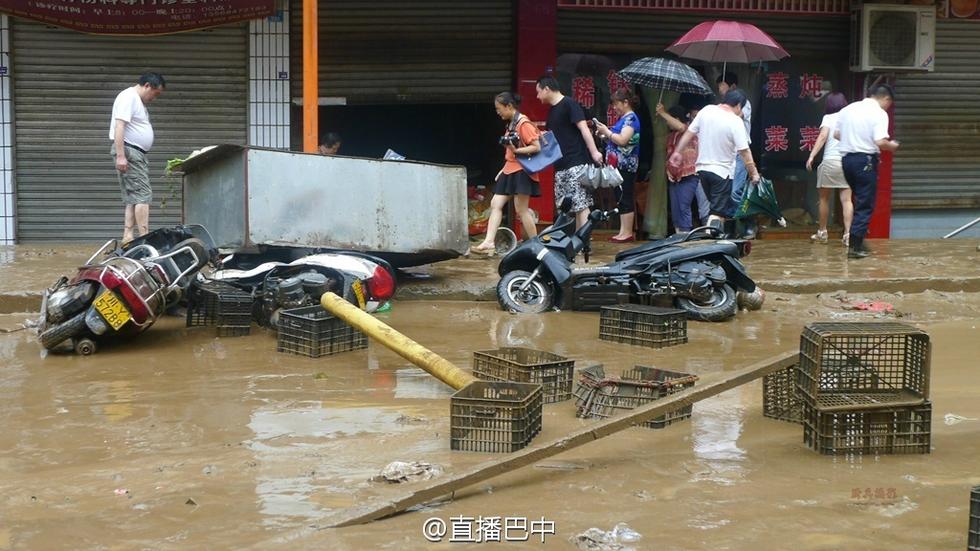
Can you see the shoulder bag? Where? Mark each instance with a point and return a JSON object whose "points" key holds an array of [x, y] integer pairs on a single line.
{"points": [[549, 154]]}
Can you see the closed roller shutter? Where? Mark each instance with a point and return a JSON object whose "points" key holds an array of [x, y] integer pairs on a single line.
{"points": [[937, 119], [649, 33], [64, 86], [409, 52]]}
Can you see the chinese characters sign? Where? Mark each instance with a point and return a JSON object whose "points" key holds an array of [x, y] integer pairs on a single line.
{"points": [[138, 16]]}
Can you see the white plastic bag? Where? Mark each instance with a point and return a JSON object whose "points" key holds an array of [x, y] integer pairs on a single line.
{"points": [[610, 177]]}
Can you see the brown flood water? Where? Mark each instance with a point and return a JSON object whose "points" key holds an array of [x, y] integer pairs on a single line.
{"points": [[181, 440]]}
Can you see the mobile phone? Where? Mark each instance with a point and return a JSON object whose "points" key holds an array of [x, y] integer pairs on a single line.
{"points": [[595, 120]]}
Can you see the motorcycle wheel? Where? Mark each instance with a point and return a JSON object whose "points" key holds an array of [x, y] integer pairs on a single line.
{"points": [[63, 331], [721, 306], [538, 297]]}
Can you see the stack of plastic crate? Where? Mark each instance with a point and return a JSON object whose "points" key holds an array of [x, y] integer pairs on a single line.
{"points": [[864, 388]]}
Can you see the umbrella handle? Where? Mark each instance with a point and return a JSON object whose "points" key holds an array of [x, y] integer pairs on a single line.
{"points": [[661, 96]]}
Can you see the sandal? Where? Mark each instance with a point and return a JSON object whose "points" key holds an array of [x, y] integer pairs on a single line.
{"points": [[846, 239], [485, 251], [819, 237]]}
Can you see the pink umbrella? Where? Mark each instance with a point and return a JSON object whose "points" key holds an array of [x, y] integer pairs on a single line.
{"points": [[727, 41]]}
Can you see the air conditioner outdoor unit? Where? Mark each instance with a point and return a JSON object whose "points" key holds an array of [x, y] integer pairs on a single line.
{"points": [[894, 38]]}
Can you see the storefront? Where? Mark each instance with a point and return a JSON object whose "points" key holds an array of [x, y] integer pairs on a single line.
{"points": [[64, 83]]}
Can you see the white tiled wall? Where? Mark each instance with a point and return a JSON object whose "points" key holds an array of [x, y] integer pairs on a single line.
{"points": [[268, 94], [6, 139]]}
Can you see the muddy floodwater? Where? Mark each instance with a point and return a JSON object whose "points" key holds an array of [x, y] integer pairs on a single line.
{"points": [[181, 440]]}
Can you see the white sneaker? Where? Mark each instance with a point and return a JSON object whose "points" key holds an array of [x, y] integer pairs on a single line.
{"points": [[819, 237]]}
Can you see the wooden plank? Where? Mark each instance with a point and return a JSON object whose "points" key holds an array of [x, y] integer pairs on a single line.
{"points": [[489, 469]]}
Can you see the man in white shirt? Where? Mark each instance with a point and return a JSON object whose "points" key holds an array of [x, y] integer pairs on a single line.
{"points": [[132, 137], [725, 83], [862, 129], [721, 137]]}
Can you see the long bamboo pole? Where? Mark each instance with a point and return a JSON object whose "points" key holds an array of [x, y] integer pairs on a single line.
{"points": [[725, 381], [405, 347]]}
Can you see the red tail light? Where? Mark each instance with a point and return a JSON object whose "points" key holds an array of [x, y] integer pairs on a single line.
{"points": [[746, 248], [381, 285]]}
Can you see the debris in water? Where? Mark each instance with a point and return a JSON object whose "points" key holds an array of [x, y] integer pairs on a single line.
{"points": [[953, 419], [190, 501], [319, 375], [400, 471], [411, 420], [595, 539], [121, 491]]}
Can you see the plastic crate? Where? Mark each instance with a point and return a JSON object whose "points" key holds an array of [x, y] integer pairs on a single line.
{"points": [[872, 431], [861, 364], [207, 300], [494, 417], [609, 396], [780, 398], [524, 365], [642, 325], [973, 539], [312, 331]]}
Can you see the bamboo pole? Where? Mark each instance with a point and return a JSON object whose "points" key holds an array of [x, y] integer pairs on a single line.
{"points": [[489, 469], [405, 347]]}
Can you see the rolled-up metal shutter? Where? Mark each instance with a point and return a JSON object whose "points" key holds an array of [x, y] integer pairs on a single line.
{"points": [[648, 33], [64, 86], [937, 119], [432, 51]]}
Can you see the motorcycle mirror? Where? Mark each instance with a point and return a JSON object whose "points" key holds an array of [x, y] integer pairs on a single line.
{"points": [[566, 205]]}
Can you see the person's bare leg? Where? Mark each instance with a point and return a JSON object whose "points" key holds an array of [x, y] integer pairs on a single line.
{"points": [[848, 207], [625, 225], [497, 204], [581, 217], [527, 220], [824, 208], [129, 219], [142, 218]]}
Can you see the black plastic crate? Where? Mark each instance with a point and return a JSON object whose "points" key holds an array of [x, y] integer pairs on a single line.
{"points": [[494, 417], [604, 397], [881, 430], [312, 331], [642, 325], [973, 539], [208, 300], [780, 398], [525, 365], [863, 364]]}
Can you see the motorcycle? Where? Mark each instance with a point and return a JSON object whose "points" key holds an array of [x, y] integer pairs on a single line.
{"points": [[121, 290], [696, 271], [280, 281]]}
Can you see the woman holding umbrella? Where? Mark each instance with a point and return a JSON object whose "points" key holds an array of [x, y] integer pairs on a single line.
{"points": [[623, 153]]}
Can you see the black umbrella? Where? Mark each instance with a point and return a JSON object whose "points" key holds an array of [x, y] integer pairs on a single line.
{"points": [[665, 74]]}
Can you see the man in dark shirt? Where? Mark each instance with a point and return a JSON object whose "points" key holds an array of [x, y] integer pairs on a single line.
{"points": [[567, 120]]}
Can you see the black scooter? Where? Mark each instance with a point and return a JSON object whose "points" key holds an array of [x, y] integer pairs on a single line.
{"points": [[697, 271]]}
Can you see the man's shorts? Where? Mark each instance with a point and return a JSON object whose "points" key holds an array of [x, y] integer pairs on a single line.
{"points": [[568, 183], [135, 182], [718, 190]]}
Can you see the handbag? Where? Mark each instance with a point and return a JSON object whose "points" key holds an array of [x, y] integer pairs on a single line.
{"points": [[592, 177], [549, 154], [610, 177]]}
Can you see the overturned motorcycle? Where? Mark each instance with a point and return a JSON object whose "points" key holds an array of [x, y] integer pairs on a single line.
{"points": [[122, 289], [285, 278], [697, 272]]}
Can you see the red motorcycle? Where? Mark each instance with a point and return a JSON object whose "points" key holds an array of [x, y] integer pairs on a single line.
{"points": [[122, 290]]}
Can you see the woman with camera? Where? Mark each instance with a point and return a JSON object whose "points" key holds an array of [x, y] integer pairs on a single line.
{"points": [[521, 138], [623, 152]]}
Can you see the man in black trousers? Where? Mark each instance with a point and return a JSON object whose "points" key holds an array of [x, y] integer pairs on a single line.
{"points": [[863, 133]]}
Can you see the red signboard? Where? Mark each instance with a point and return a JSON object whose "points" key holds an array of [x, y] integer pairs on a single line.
{"points": [[138, 16]]}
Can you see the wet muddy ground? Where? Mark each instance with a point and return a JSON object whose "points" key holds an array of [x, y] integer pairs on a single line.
{"points": [[178, 439]]}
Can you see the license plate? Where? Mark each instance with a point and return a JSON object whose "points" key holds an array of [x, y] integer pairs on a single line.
{"points": [[359, 293], [112, 309]]}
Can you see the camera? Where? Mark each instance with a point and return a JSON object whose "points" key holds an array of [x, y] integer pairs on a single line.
{"points": [[510, 138]]}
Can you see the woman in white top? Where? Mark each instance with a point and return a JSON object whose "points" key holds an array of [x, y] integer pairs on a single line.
{"points": [[830, 175]]}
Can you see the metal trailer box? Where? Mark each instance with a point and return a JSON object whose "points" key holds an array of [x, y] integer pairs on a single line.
{"points": [[412, 212]]}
